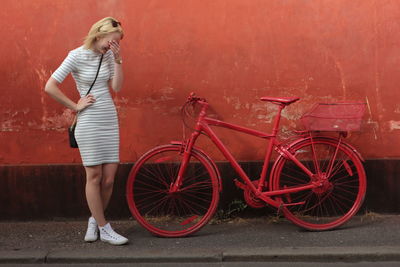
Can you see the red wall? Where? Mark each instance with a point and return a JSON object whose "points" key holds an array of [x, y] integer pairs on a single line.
{"points": [[231, 52]]}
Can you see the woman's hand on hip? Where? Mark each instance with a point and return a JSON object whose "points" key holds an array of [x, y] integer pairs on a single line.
{"points": [[84, 102]]}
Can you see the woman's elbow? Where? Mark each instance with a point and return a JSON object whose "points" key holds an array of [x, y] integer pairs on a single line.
{"points": [[49, 87], [115, 86]]}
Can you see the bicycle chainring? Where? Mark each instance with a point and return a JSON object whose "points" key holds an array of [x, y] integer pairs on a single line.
{"points": [[251, 199]]}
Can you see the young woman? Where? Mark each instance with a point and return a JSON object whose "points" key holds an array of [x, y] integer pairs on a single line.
{"points": [[97, 130]]}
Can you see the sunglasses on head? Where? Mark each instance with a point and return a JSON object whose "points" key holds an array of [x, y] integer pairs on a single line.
{"points": [[115, 23]]}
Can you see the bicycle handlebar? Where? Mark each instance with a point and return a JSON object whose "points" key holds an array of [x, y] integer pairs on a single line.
{"points": [[191, 101], [193, 98]]}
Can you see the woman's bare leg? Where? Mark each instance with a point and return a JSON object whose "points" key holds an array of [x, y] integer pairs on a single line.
{"points": [[93, 193], [107, 183]]}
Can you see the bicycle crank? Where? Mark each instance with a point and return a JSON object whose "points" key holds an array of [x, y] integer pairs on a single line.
{"points": [[251, 199]]}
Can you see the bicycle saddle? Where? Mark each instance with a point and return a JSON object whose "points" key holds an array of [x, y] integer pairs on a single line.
{"points": [[280, 100]]}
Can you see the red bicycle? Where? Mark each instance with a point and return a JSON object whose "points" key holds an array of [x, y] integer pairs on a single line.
{"points": [[317, 181]]}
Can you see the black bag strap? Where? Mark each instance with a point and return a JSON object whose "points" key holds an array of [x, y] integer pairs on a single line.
{"points": [[97, 74], [98, 69]]}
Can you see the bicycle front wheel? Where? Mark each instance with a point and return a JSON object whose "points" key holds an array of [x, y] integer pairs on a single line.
{"points": [[172, 214], [340, 174]]}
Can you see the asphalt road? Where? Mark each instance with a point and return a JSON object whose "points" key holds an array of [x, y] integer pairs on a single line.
{"points": [[228, 264], [373, 237]]}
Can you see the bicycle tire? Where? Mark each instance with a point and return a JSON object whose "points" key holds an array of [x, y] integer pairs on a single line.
{"points": [[337, 200], [172, 214]]}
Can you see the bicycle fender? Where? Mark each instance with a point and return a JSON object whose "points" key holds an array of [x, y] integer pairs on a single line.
{"points": [[202, 153], [351, 147]]}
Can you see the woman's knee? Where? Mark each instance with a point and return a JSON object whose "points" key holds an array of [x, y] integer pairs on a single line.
{"points": [[107, 182], [93, 176], [109, 171]]}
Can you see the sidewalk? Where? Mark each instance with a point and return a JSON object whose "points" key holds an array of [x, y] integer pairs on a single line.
{"points": [[370, 237]]}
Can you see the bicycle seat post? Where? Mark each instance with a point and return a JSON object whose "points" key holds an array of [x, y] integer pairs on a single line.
{"points": [[275, 127], [281, 103]]}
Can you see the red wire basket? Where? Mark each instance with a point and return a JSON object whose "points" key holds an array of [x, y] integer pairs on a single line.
{"points": [[338, 117]]}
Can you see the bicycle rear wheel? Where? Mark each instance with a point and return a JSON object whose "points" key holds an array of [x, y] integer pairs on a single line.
{"points": [[341, 174], [175, 214]]}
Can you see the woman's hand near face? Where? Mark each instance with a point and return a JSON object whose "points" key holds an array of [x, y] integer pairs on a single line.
{"points": [[117, 80], [115, 48]]}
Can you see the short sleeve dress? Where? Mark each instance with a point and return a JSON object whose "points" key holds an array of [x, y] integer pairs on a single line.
{"points": [[97, 129]]}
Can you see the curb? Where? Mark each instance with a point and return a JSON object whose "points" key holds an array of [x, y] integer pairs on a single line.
{"points": [[260, 254], [316, 254], [23, 256], [129, 256]]}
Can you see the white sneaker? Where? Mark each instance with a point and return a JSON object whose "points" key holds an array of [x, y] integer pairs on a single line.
{"points": [[107, 234], [92, 232]]}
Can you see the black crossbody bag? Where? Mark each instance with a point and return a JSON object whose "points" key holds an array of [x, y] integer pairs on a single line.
{"points": [[71, 129]]}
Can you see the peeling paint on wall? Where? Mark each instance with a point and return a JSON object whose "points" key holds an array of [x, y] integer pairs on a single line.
{"points": [[232, 54], [394, 125]]}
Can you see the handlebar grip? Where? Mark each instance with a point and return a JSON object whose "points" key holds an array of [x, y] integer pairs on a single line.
{"points": [[192, 98]]}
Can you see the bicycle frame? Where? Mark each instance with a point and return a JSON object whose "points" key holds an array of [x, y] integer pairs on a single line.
{"points": [[203, 126], [318, 182]]}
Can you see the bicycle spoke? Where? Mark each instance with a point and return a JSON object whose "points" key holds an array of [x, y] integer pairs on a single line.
{"points": [[340, 190], [151, 186], [172, 213], [153, 176]]}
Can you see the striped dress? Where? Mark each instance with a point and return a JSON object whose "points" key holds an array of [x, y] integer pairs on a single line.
{"points": [[97, 130]]}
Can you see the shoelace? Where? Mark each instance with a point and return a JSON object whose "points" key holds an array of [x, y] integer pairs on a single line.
{"points": [[111, 234]]}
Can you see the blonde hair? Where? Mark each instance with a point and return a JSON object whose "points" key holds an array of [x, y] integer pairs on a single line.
{"points": [[101, 29]]}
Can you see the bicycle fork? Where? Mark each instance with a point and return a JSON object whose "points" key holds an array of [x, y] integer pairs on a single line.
{"points": [[186, 150]]}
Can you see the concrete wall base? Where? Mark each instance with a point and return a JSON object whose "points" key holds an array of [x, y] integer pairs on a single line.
{"points": [[36, 192]]}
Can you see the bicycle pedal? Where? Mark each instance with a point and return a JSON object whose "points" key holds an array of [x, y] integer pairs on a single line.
{"points": [[293, 204]]}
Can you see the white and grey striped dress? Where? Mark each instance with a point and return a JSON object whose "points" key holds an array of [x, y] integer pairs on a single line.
{"points": [[97, 130]]}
